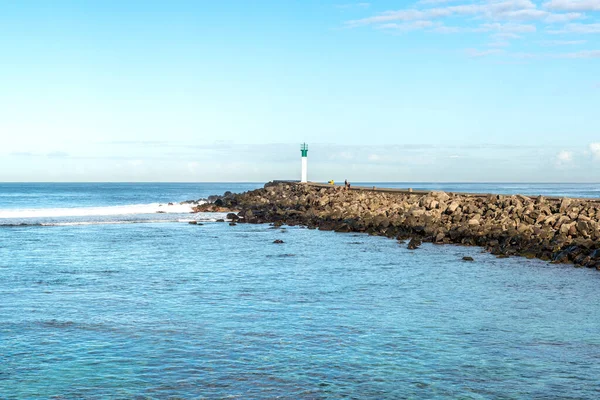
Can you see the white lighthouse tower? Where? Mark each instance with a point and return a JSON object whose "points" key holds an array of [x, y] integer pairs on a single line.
{"points": [[304, 151]]}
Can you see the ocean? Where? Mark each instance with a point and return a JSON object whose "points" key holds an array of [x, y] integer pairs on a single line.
{"points": [[102, 297]]}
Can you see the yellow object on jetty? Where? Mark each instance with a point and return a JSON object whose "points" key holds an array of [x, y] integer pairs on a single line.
{"points": [[331, 182]]}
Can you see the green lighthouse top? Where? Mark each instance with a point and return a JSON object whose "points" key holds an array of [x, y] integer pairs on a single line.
{"points": [[304, 149]]}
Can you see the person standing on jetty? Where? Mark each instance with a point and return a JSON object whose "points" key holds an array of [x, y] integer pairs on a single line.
{"points": [[346, 185]]}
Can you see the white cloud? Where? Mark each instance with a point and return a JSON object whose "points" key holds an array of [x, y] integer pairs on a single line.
{"points": [[582, 54], [525, 56], [564, 157], [353, 5], [595, 150], [573, 5], [562, 42], [499, 43], [508, 28], [503, 19], [554, 18], [448, 29], [436, 1], [374, 157], [505, 35], [525, 14], [342, 155], [401, 15], [408, 26], [509, 9], [136, 163], [483, 53], [577, 28]]}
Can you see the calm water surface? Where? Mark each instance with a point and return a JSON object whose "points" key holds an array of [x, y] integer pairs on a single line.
{"points": [[167, 309]]}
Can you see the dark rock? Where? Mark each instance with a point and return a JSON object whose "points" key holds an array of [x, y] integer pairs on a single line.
{"points": [[467, 258], [232, 216], [220, 220], [232, 224], [278, 241], [193, 222], [414, 243]]}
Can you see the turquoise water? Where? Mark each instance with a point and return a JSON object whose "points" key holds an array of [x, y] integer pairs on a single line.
{"points": [[172, 310]]}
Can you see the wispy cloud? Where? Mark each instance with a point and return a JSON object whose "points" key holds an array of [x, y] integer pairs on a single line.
{"points": [[352, 5], [22, 154], [525, 55], [407, 26], [57, 154], [513, 10], [504, 20], [577, 28], [573, 5], [582, 54], [430, 2], [505, 35], [52, 154], [562, 42], [508, 27], [556, 18], [499, 43], [483, 53]]}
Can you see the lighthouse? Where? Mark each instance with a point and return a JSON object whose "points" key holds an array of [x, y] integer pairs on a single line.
{"points": [[304, 151]]}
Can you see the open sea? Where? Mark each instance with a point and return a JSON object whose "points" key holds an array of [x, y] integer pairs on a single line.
{"points": [[103, 297]]}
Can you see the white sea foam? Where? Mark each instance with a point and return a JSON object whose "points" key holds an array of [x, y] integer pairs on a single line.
{"points": [[131, 209]]}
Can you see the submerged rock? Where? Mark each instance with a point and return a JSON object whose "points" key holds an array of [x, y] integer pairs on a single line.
{"points": [[278, 241], [467, 258]]}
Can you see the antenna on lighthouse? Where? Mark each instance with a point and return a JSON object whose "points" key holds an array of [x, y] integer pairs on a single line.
{"points": [[304, 151]]}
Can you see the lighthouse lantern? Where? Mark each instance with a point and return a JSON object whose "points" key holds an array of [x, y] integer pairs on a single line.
{"points": [[304, 151]]}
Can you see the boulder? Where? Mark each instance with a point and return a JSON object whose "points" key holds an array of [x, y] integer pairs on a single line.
{"points": [[233, 216], [414, 243], [452, 207]]}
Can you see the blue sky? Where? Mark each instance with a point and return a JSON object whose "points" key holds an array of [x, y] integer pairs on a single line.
{"points": [[430, 90]]}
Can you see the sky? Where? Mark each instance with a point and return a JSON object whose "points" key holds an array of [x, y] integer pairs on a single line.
{"points": [[198, 91]]}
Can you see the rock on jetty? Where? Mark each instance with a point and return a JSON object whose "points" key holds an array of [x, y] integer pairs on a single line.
{"points": [[560, 231]]}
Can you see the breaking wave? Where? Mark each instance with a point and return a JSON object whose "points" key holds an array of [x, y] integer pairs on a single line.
{"points": [[131, 209], [111, 215]]}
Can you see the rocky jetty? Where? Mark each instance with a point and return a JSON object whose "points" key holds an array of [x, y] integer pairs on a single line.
{"points": [[560, 231]]}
